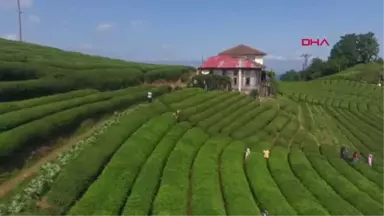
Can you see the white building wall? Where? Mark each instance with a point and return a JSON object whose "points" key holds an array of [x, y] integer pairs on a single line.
{"points": [[259, 59]]}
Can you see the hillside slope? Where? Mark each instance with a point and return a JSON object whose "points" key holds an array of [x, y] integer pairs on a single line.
{"points": [[367, 73], [30, 70]]}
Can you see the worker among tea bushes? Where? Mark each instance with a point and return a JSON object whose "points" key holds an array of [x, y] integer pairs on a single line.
{"points": [[344, 153], [247, 153], [370, 159], [266, 154], [355, 157], [176, 115], [264, 212], [149, 96]]}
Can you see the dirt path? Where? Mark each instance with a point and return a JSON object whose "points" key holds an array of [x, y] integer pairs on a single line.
{"points": [[24, 174]]}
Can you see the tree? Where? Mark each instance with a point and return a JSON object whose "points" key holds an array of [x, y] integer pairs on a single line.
{"points": [[368, 47], [354, 49], [290, 75]]}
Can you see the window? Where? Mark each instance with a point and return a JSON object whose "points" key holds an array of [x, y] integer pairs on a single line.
{"points": [[247, 81], [234, 81], [235, 73]]}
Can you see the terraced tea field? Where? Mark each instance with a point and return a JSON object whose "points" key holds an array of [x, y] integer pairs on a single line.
{"points": [[144, 162]]}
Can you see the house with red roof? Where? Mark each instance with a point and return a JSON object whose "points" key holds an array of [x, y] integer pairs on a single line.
{"points": [[243, 64]]}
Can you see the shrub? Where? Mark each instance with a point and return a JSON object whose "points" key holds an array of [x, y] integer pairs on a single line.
{"points": [[211, 82]]}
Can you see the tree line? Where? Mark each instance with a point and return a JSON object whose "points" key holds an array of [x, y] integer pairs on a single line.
{"points": [[350, 50]]}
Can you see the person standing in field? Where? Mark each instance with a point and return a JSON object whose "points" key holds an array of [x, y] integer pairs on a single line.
{"points": [[344, 153], [370, 158], [264, 212], [176, 115], [247, 153], [266, 154], [355, 157], [149, 96]]}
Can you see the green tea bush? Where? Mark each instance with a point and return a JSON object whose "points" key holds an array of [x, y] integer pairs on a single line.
{"points": [[48, 126], [207, 197], [106, 195], [238, 196], [229, 118], [13, 119], [140, 200], [318, 187], [223, 113], [297, 195], [263, 185], [172, 197], [13, 106], [83, 170]]}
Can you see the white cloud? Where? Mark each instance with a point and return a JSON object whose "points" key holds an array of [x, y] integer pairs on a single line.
{"points": [[13, 3], [104, 27], [34, 18], [10, 36], [136, 23], [275, 57]]}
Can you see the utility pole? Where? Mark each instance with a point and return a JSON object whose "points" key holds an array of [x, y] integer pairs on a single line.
{"points": [[19, 13], [306, 56]]}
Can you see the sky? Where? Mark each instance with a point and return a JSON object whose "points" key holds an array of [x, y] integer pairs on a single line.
{"points": [[177, 30]]}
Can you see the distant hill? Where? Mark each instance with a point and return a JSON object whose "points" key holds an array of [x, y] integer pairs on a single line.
{"points": [[30, 70], [369, 73]]}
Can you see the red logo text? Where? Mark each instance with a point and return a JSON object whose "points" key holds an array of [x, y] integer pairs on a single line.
{"points": [[310, 42]]}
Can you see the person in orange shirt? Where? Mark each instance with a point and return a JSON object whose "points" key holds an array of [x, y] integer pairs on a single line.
{"points": [[266, 154]]}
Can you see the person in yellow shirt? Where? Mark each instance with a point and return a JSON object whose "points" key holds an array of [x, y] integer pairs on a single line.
{"points": [[266, 154]]}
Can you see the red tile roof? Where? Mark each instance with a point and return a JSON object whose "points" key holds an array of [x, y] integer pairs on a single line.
{"points": [[226, 61], [242, 50]]}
